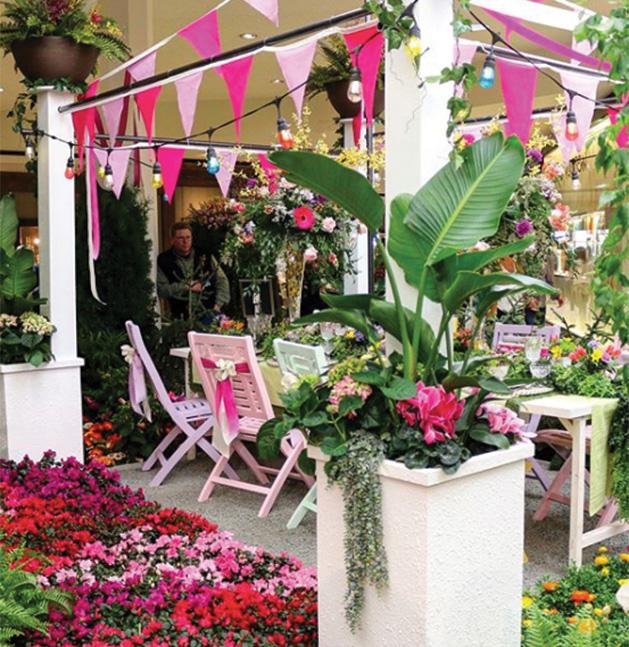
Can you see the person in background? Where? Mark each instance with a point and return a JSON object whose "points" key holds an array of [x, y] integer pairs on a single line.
{"points": [[189, 280]]}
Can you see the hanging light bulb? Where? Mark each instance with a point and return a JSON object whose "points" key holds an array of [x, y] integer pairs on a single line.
{"points": [[29, 148], [576, 180], [109, 177], [284, 135], [355, 90], [213, 163], [70, 168], [157, 181], [488, 73], [572, 129], [101, 172], [414, 42]]}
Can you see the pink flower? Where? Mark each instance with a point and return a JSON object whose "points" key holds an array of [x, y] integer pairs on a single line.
{"points": [[344, 388], [310, 254], [502, 420], [304, 217], [329, 224], [333, 258], [433, 410]]}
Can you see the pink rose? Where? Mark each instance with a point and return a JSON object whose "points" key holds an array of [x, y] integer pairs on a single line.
{"points": [[310, 254], [333, 258], [329, 224]]}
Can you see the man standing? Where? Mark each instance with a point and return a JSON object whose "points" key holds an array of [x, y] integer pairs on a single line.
{"points": [[189, 280]]}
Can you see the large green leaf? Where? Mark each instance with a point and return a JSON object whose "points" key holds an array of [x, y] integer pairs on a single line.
{"points": [[8, 225], [349, 189], [485, 299], [20, 278], [467, 284], [352, 318], [461, 205]]}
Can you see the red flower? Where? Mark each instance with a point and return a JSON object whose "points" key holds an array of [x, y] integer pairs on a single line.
{"points": [[304, 217]]}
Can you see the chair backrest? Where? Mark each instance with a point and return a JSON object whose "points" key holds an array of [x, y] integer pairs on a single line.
{"points": [[250, 392], [135, 337], [300, 359], [517, 334]]}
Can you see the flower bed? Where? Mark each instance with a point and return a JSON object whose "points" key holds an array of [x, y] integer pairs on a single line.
{"points": [[142, 575]]}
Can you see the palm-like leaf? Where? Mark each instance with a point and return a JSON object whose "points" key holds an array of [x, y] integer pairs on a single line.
{"points": [[8, 225]]}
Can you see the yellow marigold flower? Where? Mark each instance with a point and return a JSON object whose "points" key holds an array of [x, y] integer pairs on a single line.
{"points": [[572, 620], [605, 571], [623, 582], [556, 352], [601, 560], [527, 623], [587, 625], [624, 557], [602, 549], [597, 354], [598, 612], [550, 586], [526, 602]]}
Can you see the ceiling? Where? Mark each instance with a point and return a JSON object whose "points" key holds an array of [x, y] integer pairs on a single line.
{"points": [[149, 21]]}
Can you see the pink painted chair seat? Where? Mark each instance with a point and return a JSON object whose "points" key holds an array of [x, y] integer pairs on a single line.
{"points": [[253, 408], [193, 418]]}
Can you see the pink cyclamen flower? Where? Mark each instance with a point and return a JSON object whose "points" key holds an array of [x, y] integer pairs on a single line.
{"points": [[502, 420], [310, 254], [433, 410], [523, 228], [304, 217], [328, 224]]}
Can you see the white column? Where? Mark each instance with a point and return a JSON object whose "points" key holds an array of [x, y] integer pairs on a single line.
{"points": [[56, 222], [357, 283], [417, 117]]}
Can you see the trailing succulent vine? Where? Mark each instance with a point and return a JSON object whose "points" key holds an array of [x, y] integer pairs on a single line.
{"points": [[356, 473]]}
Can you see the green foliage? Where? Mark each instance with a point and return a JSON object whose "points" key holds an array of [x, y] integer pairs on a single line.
{"points": [[24, 19], [24, 604], [396, 26]]}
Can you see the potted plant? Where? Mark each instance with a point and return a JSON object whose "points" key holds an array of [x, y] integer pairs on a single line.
{"points": [[382, 431], [334, 75], [58, 39]]}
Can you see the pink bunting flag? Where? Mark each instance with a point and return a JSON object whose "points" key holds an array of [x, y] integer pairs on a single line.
{"points": [[83, 121], [144, 67], [203, 34], [295, 64], [357, 128], [112, 111], [228, 160], [146, 105], [622, 139], [369, 58], [583, 108], [236, 75], [518, 83], [119, 161], [170, 160], [187, 95], [267, 8], [463, 53]]}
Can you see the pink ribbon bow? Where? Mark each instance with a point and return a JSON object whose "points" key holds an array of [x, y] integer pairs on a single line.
{"points": [[225, 394], [138, 395]]}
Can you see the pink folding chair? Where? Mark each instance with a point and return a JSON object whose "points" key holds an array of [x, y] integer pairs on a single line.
{"points": [[253, 409], [193, 418]]}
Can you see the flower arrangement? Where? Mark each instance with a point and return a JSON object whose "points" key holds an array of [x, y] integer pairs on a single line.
{"points": [[24, 19], [142, 575], [277, 217], [25, 338]]}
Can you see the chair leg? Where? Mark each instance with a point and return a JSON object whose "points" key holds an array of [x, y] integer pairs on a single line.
{"points": [[555, 488], [250, 461], [158, 452], [278, 483], [205, 493], [175, 457], [306, 504], [608, 514], [537, 472], [215, 456]]}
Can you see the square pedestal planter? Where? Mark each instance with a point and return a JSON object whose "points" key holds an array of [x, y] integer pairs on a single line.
{"points": [[455, 552], [40, 409]]}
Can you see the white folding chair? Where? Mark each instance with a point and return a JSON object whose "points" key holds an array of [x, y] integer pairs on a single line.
{"points": [[299, 359], [193, 418], [253, 408], [517, 334]]}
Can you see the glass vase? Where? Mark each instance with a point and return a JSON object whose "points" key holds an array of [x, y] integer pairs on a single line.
{"points": [[295, 266]]}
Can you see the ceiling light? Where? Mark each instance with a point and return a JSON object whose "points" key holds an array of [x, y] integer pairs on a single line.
{"points": [[249, 36], [277, 81]]}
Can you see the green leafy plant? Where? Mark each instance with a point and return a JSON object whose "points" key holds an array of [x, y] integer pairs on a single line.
{"points": [[24, 604], [25, 19]]}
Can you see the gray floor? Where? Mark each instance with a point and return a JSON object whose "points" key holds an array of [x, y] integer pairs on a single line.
{"points": [[234, 510]]}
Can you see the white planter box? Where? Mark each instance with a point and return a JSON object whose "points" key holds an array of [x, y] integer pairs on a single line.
{"points": [[455, 552], [40, 409]]}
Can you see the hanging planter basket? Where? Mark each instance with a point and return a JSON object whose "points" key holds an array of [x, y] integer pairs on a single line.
{"points": [[337, 94], [54, 57]]}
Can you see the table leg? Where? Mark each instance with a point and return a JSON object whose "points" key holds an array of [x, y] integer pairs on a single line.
{"points": [[577, 493], [192, 452]]}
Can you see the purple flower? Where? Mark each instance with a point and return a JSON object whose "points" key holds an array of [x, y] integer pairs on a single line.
{"points": [[607, 358], [321, 199], [252, 183], [523, 228], [593, 343], [535, 154]]}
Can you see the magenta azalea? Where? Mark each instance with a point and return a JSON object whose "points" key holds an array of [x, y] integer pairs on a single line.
{"points": [[523, 228]]}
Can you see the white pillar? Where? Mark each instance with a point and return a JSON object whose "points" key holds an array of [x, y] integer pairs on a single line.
{"points": [[40, 408], [357, 283], [416, 119]]}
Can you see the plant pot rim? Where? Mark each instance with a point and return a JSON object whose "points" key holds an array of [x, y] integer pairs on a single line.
{"points": [[25, 367], [432, 476]]}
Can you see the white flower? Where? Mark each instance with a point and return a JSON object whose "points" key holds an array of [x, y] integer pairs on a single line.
{"points": [[128, 352], [481, 246], [225, 369], [310, 254], [289, 381], [329, 224]]}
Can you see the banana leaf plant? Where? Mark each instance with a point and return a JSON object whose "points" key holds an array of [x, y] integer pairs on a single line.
{"points": [[18, 278], [427, 236]]}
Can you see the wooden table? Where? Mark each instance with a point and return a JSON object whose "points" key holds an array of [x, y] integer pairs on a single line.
{"points": [[574, 413]]}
